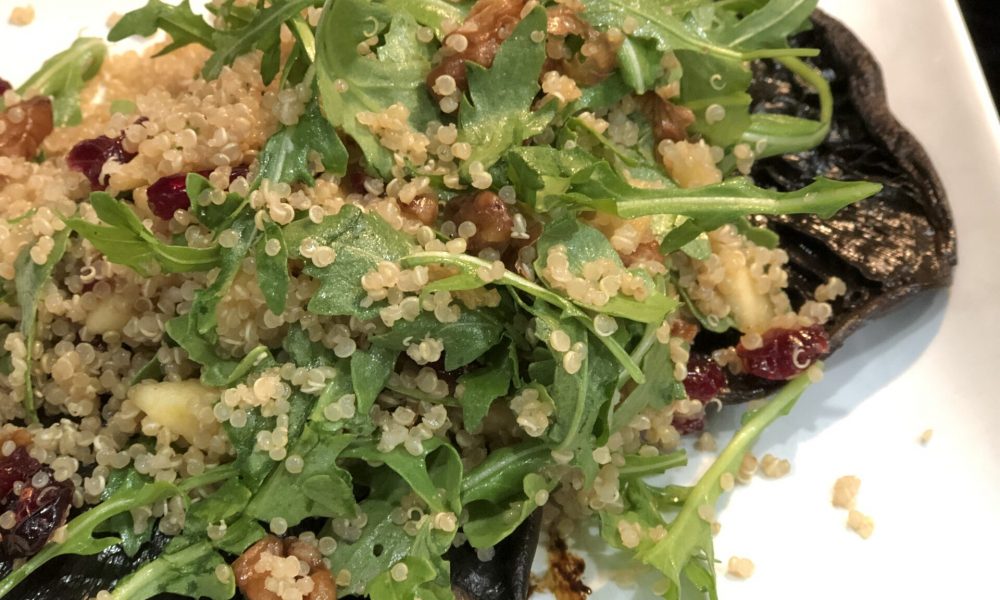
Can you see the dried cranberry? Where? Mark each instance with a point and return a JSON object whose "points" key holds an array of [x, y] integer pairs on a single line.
{"points": [[38, 512], [685, 426], [88, 157], [19, 466], [4, 86], [168, 194], [785, 352], [705, 378]]}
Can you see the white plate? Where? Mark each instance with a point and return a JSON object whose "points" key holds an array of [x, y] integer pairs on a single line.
{"points": [[928, 365]]}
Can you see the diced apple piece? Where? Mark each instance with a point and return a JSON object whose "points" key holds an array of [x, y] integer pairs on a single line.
{"points": [[111, 314], [751, 310], [183, 407]]}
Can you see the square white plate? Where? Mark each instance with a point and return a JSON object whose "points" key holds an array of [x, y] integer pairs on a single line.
{"points": [[927, 366]]}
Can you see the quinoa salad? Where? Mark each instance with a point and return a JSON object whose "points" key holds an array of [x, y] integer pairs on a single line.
{"points": [[311, 297]]}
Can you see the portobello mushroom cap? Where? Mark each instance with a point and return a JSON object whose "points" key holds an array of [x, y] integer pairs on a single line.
{"points": [[886, 249]]}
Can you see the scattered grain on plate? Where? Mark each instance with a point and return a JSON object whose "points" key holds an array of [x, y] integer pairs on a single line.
{"points": [[925, 437], [706, 442], [21, 16], [740, 567], [845, 491], [773, 467], [860, 523]]}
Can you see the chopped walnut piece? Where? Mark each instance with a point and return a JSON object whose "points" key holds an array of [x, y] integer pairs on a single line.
{"points": [[273, 563], [24, 126], [598, 54], [670, 121], [421, 208], [478, 39], [491, 216]]}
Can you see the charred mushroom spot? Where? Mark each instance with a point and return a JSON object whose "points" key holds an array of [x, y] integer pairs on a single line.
{"points": [[564, 578]]}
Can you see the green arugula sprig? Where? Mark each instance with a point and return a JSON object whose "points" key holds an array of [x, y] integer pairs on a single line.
{"points": [[123, 239], [29, 279], [63, 76], [496, 114]]}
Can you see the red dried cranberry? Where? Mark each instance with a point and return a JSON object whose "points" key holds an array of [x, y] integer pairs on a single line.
{"points": [[785, 352], [88, 157], [4, 86], [168, 194], [685, 426], [19, 466], [38, 512], [705, 378]]}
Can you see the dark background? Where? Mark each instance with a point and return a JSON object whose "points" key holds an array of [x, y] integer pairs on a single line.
{"points": [[983, 19]]}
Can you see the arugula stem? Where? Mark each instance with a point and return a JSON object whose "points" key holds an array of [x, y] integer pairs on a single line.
{"points": [[220, 473], [688, 530], [639, 352], [653, 466], [471, 265], [786, 135]]}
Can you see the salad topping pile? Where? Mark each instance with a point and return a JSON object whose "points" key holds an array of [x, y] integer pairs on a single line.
{"points": [[322, 291]]}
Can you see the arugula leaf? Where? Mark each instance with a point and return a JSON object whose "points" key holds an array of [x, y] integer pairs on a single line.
{"points": [[716, 81], [435, 476], [370, 370], [639, 61], [382, 544], [255, 465], [79, 531], [225, 505], [690, 537], [585, 244], [63, 76], [395, 74], [214, 216], [189, 572], [578, 397], [29, 279], [470, 265], [262, 32], [465, 339], [604, 190], [427, 575], [492, 521], [431, 13], [361, 241], [502, 473], [126, 241], [769, 25], [125, 480], [272, 271], [484, 385], [285, 157], [195, 331], [659, 390], [670, 31], [497, 115], [179, 22], [321, 490]]}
